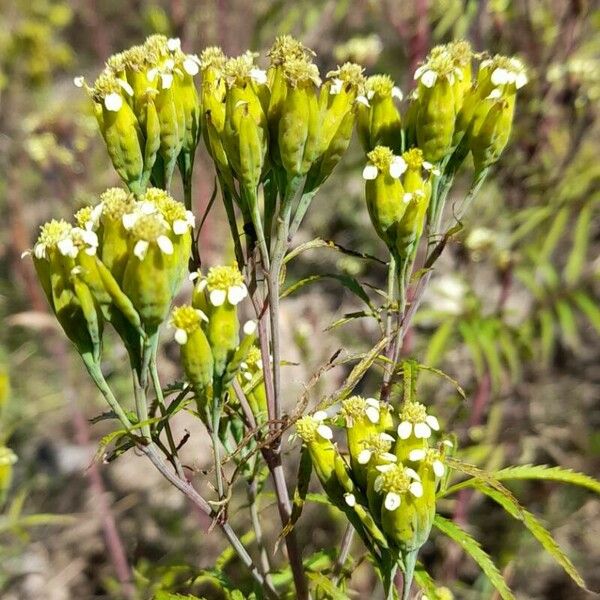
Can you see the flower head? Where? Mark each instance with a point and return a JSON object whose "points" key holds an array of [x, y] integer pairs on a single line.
{"points": [[312, 427], [286, 48], [224, 283], [440, 64], [241, 70], [185, 320], [349, 78], [383, 160], [150, 228], [54, 235], [377, 445], [180, 219], [395, 481], [357, 408], [429, 457], [414, 420]]}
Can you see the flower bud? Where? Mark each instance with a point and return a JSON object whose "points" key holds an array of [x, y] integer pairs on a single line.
{"points": [[7, 459], [196, 354], [218, 295], [436, 114], [250, 377], [245, 133], [384, 193], [378, 117]]}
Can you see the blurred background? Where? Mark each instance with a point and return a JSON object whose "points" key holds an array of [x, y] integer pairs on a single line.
{"points": [[512, 313]]}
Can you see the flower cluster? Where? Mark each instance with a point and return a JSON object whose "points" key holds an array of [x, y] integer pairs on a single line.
{"points": [[387, 482], [122, 262], [147, 107]]}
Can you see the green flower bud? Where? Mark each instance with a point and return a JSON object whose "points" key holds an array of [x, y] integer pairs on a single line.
{"points": [[218, 296], [196, 354], [120, 128], [251, 377], [212, 63], [378, 117], [436, 105], [461, 55], [385, 194], [415, 428], [7, 459], [245, 134], [71, 300], [151, 266], [401, 519]]}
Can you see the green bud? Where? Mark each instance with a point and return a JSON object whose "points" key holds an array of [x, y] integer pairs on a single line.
{"points": [[196, 354], [378, 117], [7, 459], [251, 378], [218, 296]]}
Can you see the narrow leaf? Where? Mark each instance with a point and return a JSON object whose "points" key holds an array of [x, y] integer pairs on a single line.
{"points": [[438, 342], [581, 237], [546, 473], [589, 308]]}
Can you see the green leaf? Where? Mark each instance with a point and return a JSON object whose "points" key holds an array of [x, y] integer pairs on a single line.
{"points": [[568, 324], [321, 243], [532, 218], [471, 546], [326, 585], [469, 335], [581, 237], [535, 527], [546, 473], [589, 308], [347, 318], [510, 353], [438, 342], [229, 553], [546, 320], [487, 341], [37, 520], [424, 580], [554, 234]]}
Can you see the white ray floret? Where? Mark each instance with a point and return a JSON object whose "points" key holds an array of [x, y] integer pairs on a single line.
{"points": [[392, 501]]}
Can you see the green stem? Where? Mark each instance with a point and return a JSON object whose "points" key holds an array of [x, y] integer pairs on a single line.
{"points": [[410, 560], [303, 206], [265, 564], [215, 422]]}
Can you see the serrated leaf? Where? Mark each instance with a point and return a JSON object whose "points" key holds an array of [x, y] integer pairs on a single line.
{"points": [[438, 342], [471, 546], [581, 237], [535, 527], [589, 308], [546, 473]]}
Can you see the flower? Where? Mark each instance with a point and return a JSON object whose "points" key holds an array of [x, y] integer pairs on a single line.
{"points": [[395, 481], [224, 283], [356, 408], [414, 420], [54, 235], [185, 320], [377, 445], [312, 427], [429, 457], [382, 160]]}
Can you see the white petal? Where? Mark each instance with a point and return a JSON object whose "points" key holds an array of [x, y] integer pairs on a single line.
{"points": [[180, 226], [67, 248], [388, 456], [165, 244], [89, 237], [404, 430], [249, 327], [39, 251], [397, 93], [422, 430], [521, 80], [370, 172], [377, 484], [125, 85], [236, 293], [325, 432], [364, 456], [384, 468], [248, 376], [190, 218], [193, 276], [217, 297], [420, 70], [372, 414], [432, 422], [113, 102], [372, 402], [336, 86], [392, 501], [438, 468], [320, 415], [169, 64], [258, 75], [350, 499], [147, 208], [417, 454], [448, 444], [416, 489], [427, 165], [25, 253], [166, 80], [201, 285], [140, 249], [202, 316], [494, 94], [386, 437], [363, 100], [412, 473], [191, 66], [129, 220], [500, 76], [407, 197], [181, 336], [78, 81], [151, 74], [174, 44], [370, 94], [397, 167], [429, 78]]}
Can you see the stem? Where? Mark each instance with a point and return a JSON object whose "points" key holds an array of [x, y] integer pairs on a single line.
{"points": [[303, 206], [140, 384], [174, 458], [214, 436], [265, 565], [343, 555], [410, 560]]}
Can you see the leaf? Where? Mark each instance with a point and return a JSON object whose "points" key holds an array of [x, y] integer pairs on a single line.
{"points": [[350, 283], [37, 520], [469, 336], [546, 473], [229, 553], [487, 338], [510, 353], [534, 217], [347, 318], [546, 321], [554, 234], [535, 527], [581, 237], [589, 308], [327, 586], [321, 243], [304, 473], [424, 580], [438, 342], [568, 325], [471, 546]]}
